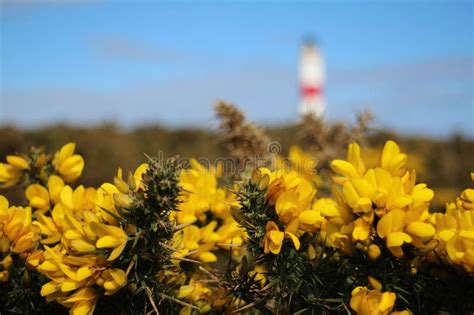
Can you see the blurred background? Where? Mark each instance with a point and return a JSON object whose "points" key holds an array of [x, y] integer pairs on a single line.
{"points": [[122, 78]]}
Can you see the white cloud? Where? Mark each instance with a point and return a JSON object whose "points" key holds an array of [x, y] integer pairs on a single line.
{"points": [[120, 47]]}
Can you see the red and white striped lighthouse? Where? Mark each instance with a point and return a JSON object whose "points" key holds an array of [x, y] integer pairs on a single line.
{"points": [[311, 80]]}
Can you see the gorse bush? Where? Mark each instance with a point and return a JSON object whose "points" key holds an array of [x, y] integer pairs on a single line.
{"points": [[273, 240]]}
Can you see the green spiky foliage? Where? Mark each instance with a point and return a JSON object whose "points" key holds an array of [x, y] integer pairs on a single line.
{"points": [[242, 286], [253, 215], [147, 257]]}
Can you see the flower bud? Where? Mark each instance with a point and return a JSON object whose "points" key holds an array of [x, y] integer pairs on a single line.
{"points": [[121, 185], [4, 244], [6, 262], [3, 276], [263, 182], [375, 283], [255, 176], [35, 258], [374, 252], [122, 200], [311, 252]]}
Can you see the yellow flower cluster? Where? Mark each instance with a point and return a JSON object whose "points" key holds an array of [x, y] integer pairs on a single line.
{"points": [[204, 213], [365, 301], [201, 194], [68, 164], [200, 198], [455, 231], [197, 243], [12, 171], [384, 202], [198, 293], [82, 239], [79, 239], [373, 302], [17, 234], [292, 195], [65, 163], [298, 210], [73, 236]]}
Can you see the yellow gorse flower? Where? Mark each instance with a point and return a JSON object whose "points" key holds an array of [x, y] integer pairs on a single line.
{"points": [[81, 231], [12, 171], [112, 280], [230, 233], [455, 231], [372, 302], [197, 293], [5, 264], [197, 243], [205, 297], [72, 279], [82, 302], [120, 189], [289, 192], [17, 234], [389, 192], [317, 217], [68, 164], [259, 274], [71, 274], [81, 227], [274, 238], [67, 273], [291, 196], [465, 201], [110, 237], [201, 194], [373, 252]]}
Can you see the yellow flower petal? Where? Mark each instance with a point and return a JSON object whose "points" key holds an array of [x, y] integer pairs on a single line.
{"points": [[17, 162], [117, 251], [119, 276], [294, 239], [81, 245], [397, 239], [387, 301], [108, 242], [344, 168], [83, 273], [207, 257], [69, 285], [185, 290], [391, 222], [353, 157], [49, 288], [420, 229]]}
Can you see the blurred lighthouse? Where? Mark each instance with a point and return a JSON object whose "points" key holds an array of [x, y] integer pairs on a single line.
{"points": [[311, 80]]}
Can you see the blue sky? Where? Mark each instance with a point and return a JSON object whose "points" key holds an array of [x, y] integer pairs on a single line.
{"points": [[140, 62]]}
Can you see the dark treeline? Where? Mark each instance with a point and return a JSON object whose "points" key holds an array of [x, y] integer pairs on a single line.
{"points": [[447, 162]]}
